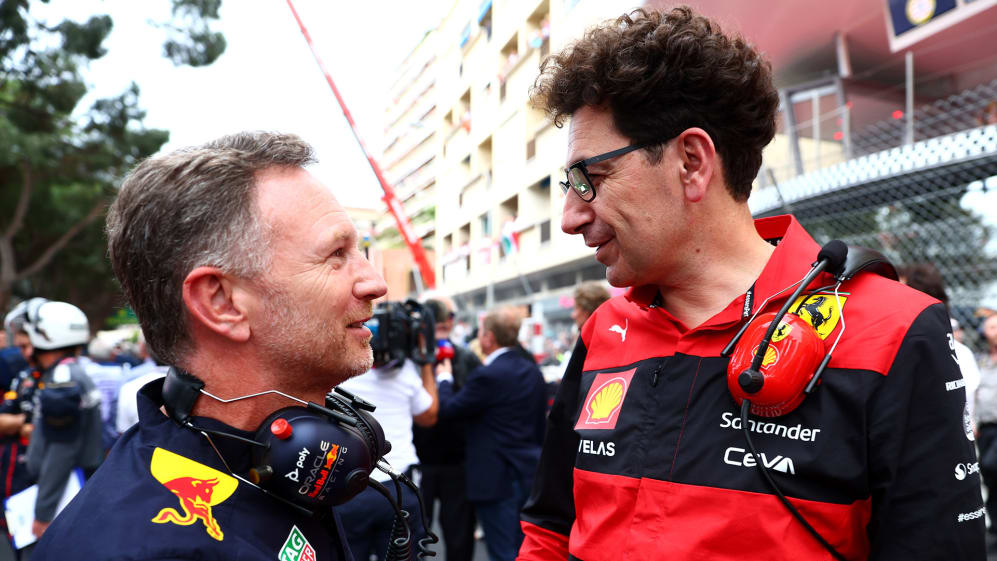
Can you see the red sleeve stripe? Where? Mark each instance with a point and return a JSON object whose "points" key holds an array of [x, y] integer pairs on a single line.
{"points": [[541, 544]]}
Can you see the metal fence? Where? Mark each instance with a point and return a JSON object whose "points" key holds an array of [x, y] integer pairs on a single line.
{"points": [[974, 107], [933, 201]]}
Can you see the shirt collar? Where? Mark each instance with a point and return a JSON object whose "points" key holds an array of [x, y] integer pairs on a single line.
{"points": [[794, 253], [158, 429], [495, 354]]}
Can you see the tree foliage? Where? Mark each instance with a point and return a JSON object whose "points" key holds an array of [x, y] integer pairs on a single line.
{"points": [[59, 165]]}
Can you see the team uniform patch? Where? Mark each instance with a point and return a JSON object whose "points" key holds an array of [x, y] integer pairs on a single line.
{"points": [[820, 310], [296, 548], [604, 400], [197, 486]]}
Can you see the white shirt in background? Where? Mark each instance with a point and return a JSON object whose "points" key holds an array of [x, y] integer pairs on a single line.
{"points": [[398, 395]]}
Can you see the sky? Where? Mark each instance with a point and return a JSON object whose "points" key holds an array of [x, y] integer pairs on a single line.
{"points": [[267, 78]]}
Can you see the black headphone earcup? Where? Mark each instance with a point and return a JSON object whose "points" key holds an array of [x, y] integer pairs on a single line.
{"points": [[367, 425], [310, 459]]}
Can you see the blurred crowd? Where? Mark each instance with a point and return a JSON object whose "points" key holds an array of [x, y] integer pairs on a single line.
{"points": [[81, 390], [467, 425]]}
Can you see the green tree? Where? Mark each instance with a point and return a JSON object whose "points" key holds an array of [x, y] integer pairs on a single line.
{"points": [[59, 166]]}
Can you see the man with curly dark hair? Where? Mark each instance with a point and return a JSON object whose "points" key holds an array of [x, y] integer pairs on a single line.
{"points": [[646, 456]]}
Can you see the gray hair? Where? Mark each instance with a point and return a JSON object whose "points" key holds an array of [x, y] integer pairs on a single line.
{"points": [[191, 208]]}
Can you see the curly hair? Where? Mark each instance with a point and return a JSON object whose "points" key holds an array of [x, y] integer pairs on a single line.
{"points": [[662, 73]]}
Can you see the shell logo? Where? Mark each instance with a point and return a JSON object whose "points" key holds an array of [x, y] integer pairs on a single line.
{"points": [[605, 400], [771, 355]]}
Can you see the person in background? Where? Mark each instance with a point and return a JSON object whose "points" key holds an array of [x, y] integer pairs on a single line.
{"points": [[502, 406], [66, 409], [442, 450], [404, 393], [588, 297], [16, 409], [928, 279], [986, 422], [106, 373]]}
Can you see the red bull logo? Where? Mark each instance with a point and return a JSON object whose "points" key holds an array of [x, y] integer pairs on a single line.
{"points": [[330, 461], [197, 487]]}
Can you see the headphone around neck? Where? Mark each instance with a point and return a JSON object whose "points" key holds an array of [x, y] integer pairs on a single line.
{"points": [[311, 456]]}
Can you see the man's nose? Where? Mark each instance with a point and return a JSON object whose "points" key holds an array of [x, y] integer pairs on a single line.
{"points": [[370, 285], [576, 214]]}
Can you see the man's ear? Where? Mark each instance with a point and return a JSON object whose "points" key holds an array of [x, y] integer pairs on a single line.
{"points": [[217, 301], [698, 160]]}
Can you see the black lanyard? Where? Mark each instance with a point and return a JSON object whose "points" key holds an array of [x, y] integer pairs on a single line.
{"points": [[749, 300]]}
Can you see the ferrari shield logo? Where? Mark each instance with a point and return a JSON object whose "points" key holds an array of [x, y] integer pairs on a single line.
{"points": [[821, 310]]}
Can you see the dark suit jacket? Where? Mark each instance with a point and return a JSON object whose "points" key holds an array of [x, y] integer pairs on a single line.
{"points": [[503, 405]]}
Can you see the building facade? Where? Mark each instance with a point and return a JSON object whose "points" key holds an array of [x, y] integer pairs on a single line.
{"points": [[887, 138]]}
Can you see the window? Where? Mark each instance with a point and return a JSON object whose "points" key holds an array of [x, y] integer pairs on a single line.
{"points": [[545, 231], [486, 224]]}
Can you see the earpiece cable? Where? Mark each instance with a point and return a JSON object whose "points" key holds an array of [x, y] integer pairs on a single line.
{"points": [[745, 407]]}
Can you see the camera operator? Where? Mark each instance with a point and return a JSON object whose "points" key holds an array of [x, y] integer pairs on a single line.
{"points": [[442, 450], [404, 392]]}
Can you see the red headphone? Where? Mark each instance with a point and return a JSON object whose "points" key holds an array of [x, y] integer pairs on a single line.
{"points": [[789, 363], [777, 357]]}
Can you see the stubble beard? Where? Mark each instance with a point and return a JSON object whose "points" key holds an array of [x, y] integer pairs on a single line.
{"points": [[304, 347]]}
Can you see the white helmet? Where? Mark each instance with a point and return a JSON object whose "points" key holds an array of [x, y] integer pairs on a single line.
{"points": [[54, 325], [18, 315]]}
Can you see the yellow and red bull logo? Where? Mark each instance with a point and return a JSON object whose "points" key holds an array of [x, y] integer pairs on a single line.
{"points": [[197, 487], [605, 400]]}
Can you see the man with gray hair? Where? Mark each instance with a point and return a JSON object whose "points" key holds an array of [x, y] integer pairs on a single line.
{"points": [[245, 272], [503, 404]]}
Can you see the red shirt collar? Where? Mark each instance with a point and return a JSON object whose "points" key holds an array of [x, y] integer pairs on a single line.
{"points": [[790, 261]]}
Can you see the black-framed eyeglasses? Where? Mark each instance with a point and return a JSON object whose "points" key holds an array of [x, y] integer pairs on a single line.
{"points": [[577, 174]]}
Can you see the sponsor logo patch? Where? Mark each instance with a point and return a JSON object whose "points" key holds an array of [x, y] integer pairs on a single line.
{"points": [[197, 487], [955, 384], [729, 420], [735, 456], [621, 330], [296, 547], [596, 447], [605, 400], [964, 470], [820, 310], [967, 516]]}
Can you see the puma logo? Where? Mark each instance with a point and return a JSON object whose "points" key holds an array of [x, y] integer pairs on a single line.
{"points": [[621, 330]]}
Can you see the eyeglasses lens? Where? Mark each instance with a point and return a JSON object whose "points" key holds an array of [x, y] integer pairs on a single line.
{"points": [[580, 183]]}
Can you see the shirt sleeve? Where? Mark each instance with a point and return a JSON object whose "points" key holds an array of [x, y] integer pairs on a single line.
{"points": [[419, 399], [923, 471], [550, 509], [970, 373], [478, 392]]}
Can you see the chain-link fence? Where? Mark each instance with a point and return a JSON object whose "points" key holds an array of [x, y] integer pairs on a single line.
{"points": [[974, 107], [934, 201]]}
